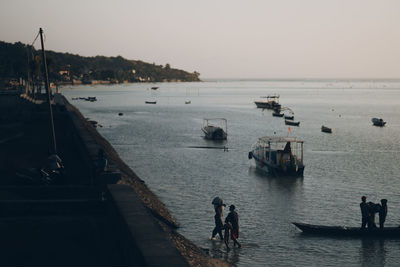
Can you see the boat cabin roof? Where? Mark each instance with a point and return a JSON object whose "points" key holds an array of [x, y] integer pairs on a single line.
{"points": [[278, 139]]}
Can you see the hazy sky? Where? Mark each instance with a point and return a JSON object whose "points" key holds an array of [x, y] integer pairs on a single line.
{"points": [[222, 38]]}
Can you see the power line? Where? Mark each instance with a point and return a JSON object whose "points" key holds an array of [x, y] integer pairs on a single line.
{"points": [[35, 38]]}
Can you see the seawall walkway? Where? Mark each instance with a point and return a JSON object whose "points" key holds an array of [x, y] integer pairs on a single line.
{"points": [[82, 218]]}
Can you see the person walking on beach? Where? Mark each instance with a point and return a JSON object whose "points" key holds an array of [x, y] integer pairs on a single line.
{"points": [[382, 213], [232, 226], [219, 226], [364, 212]]}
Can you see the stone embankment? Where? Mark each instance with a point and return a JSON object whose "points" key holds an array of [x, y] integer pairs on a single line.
{"points": [[87, 216]]}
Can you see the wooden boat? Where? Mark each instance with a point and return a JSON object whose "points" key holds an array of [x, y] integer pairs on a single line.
{"points": [[279, 155], [289, 118], [326, 129], [337, 231], [271, 102], [215, 129], [154, 88], [150, 102], [293, 123], [188, 102], [277, 114], [378, 122]]}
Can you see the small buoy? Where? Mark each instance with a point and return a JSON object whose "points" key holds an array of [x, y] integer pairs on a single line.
{"points": [[120, 114]]}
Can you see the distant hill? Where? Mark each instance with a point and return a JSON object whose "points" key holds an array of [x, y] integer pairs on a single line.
{"points": [[64, 67]]}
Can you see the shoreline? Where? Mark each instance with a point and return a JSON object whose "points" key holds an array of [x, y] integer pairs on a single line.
{"points": [[194, 255]]}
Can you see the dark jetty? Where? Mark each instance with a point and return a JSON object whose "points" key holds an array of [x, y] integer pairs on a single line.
{"points": [[86, 217]]}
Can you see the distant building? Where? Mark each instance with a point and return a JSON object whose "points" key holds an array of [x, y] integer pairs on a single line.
{"points": [[64, 72], [65, 75]]}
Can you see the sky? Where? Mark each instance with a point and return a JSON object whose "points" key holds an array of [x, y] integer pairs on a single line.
{"points": [[221, 38]]}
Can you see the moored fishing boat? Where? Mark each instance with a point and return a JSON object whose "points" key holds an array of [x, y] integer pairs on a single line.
{"points": [[215, 129], [269, 102], [326, 129], [337, 231], [279, 155], [293, 123], [378, 122], [289, 117], [277, 114]]}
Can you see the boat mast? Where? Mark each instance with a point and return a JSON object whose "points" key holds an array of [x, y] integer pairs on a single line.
{"points": [[46, 76]]}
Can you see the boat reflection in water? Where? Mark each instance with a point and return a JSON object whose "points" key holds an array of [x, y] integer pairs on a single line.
{"points": [[279, 155]]}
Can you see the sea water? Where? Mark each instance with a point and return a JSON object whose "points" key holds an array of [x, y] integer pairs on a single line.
{"points": [[157, 142]]}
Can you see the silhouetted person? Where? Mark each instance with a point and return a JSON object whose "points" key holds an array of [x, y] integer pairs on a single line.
{"points": [[372, 209], [102, 162], [364, 212], [287, 148], [232, 226], [219, 225], [382, 213]]}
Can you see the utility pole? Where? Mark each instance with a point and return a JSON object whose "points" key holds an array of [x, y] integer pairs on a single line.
{"points": [[53, 134]]}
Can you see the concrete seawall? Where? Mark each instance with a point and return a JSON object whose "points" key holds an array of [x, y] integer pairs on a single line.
{"points": [[82, 218]]}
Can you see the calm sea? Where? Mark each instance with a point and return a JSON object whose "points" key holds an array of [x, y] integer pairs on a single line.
{"points": [[357, 159]]}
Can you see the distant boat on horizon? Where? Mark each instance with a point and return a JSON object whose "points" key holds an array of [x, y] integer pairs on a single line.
{"points": [[293, 123], [271, 102], [289, 117]]}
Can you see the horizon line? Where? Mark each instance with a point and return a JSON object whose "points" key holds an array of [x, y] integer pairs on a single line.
{"points": [[300, 79]]}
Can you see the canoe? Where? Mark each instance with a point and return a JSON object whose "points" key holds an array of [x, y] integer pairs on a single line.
{"points": [[342, 231]]}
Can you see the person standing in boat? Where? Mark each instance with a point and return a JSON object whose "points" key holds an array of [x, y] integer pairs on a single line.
{"points": [[372, 209], [364, 212], [219, 226], [382, 213], [232, 226]]}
